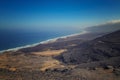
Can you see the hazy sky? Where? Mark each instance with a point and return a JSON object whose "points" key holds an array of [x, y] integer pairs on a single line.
{"points": [[56, 14]]}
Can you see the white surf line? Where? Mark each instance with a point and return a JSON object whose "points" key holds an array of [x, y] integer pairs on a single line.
{"points": [[43, 42]]}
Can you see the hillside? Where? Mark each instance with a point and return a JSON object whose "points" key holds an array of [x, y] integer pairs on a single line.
{"points": [[94, 57], [99, 49]]}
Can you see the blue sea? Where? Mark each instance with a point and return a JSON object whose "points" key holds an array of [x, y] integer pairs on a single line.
{"points": [[17, 38]]}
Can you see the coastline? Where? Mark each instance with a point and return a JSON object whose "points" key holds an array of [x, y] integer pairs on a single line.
{"points": [[43, 42]]}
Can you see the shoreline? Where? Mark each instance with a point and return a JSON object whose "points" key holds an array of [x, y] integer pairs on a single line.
{"points": [[42, 42]]}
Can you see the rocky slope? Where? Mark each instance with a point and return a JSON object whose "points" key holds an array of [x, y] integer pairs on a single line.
{"points": [[99, 49], [94, 57]]}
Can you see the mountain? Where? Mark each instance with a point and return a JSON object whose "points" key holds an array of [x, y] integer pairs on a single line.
{"points": [[110, 26], [91, 56], [102, 48]]}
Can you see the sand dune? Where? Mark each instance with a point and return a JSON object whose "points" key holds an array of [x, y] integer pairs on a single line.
{"points": [[50, 52]]}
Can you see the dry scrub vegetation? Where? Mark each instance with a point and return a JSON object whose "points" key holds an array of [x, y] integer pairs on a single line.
{"points": [[37, 61]]}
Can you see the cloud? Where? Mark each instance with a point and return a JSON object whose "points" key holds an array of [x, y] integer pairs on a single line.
{"points": [[105, 27], [113, 22]]}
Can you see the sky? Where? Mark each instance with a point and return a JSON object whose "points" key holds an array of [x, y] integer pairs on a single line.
{"points": [[53, 15]]}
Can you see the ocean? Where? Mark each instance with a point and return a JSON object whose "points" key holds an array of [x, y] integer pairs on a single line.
{"points": [[10, 39]]}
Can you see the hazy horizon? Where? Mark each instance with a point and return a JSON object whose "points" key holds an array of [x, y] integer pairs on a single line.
{"points": [[24, 22], [53, 15]]}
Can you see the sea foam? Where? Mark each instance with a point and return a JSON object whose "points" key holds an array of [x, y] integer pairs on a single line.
{"points": [[44, 42]]}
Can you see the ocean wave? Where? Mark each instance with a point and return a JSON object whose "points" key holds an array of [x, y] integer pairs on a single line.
{"points": [[44, 42]]}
